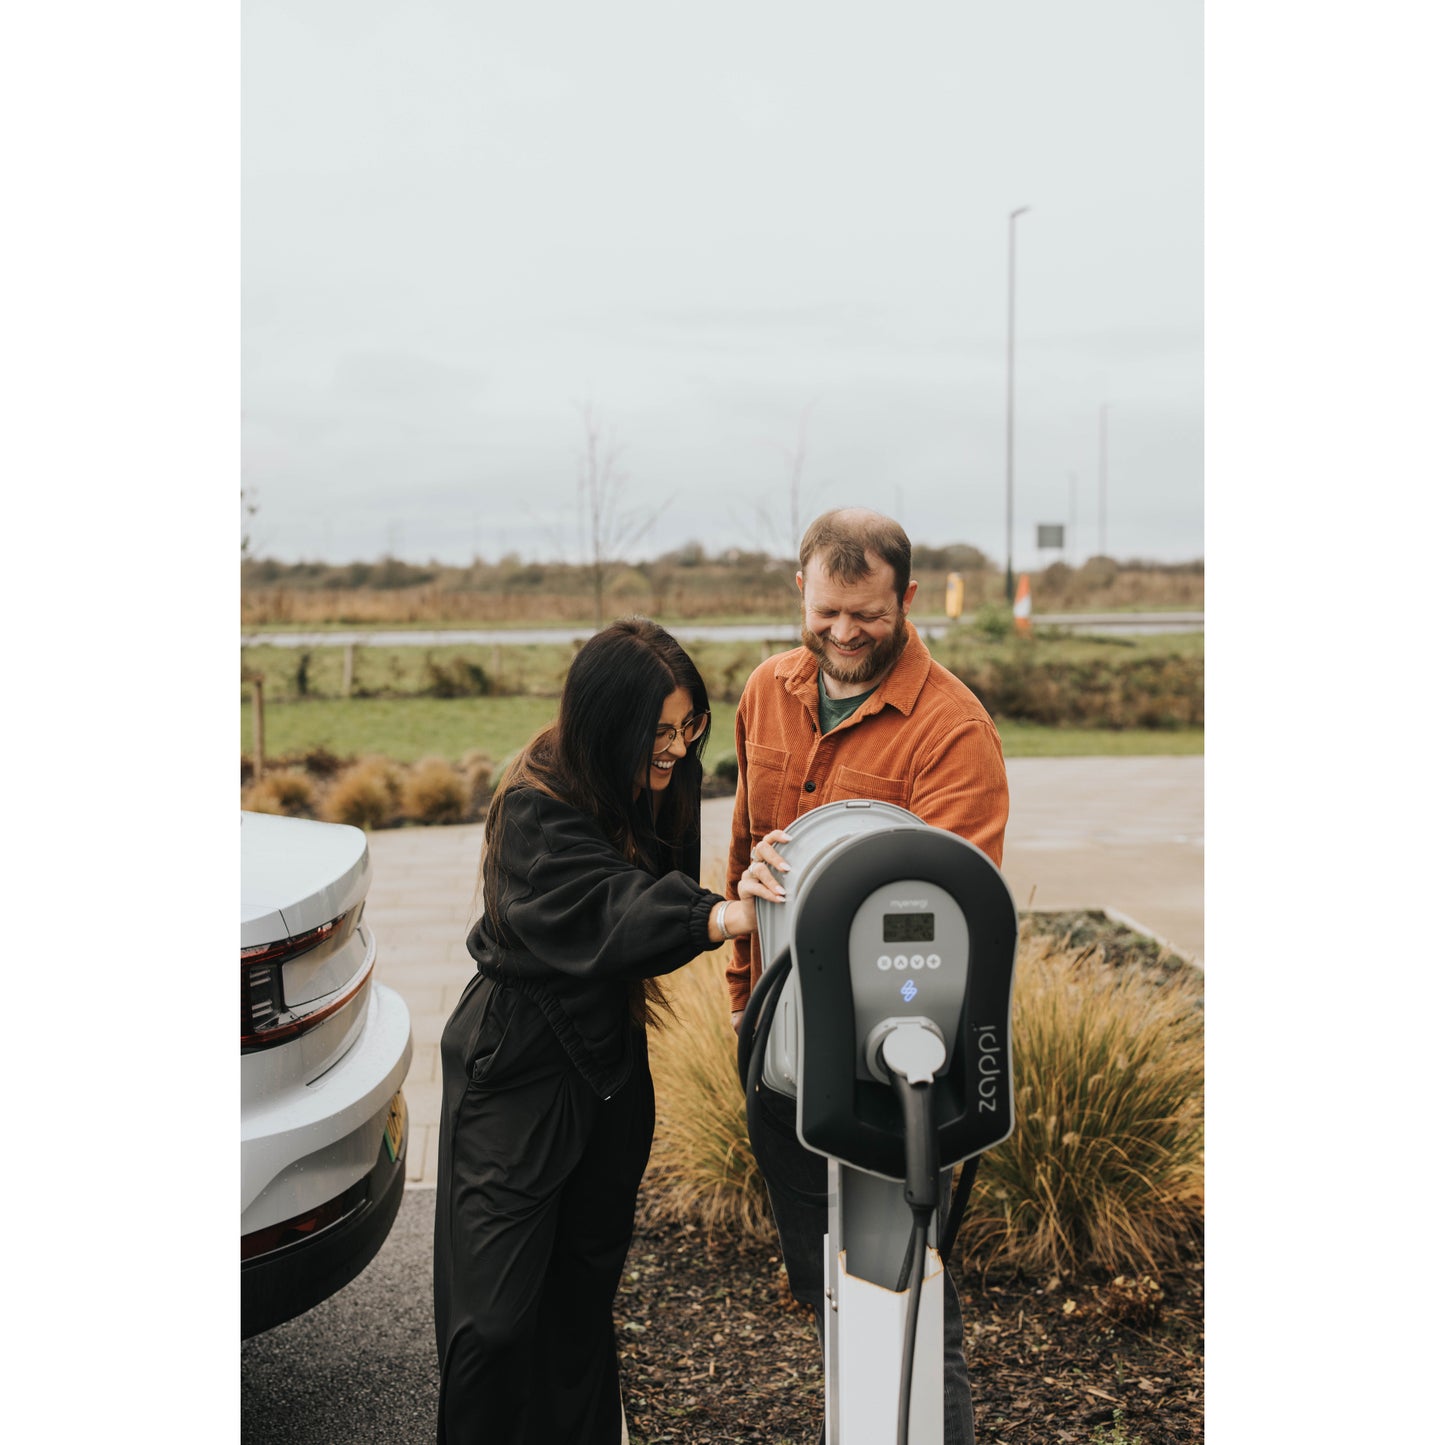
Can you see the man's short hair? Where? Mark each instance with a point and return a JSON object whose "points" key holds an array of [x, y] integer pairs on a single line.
{"points": [[842, 539]]}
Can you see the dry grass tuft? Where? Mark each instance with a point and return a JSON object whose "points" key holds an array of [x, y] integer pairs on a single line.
{"points": [[479, 770], [1104, 1170], [366, 795], [433, 792], [288, 791], [1105, 1167], [702, 1169]]}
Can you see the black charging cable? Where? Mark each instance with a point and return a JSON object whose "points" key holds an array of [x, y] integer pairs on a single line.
{"points": [[753, 1031], [912, 1055]]}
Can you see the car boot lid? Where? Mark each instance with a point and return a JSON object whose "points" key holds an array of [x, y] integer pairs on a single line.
{"points": [[297, 875]]}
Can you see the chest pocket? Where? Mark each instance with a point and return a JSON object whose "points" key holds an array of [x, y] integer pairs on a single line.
{"points": [[767, 772], [851, 783]]}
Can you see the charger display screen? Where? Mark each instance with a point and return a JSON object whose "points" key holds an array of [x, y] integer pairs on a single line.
{"points": [[908, 928]]}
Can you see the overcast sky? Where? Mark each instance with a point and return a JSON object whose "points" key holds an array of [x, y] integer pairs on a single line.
{"points": [[739, 233]]}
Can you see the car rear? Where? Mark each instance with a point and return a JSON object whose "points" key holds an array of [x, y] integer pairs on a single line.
{"points": [[324, 1050]]}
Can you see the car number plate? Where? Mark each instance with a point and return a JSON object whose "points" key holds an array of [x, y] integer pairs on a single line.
{"points": [[396, 1127]]}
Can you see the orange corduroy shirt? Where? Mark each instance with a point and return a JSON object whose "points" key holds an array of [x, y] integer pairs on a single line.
{"points": [[922, 741]]}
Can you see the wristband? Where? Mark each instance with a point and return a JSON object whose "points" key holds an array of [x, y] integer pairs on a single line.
{"points": [[720, 917]]}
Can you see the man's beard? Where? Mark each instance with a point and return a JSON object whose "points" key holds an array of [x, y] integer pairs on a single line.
{"points": [[869, 665]]}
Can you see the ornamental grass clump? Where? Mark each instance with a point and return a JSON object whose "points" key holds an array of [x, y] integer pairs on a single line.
{"points": [[433, 792], [366, 795], [702, 1169], [288, 791], [1105, 1167]]}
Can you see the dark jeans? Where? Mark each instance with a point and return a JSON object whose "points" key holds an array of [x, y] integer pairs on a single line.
{"points": [[788, 1168], [537, 1178]]}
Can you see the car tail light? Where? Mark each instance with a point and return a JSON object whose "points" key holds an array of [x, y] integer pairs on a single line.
{"points": [[266, 1016], [305, 1226]]}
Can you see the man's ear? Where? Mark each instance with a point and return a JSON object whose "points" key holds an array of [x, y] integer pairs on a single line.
{"points": [[908, 595], [798, 578]]}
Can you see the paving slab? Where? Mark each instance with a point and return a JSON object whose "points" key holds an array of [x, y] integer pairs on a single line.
{"points": [[1121, 834]]}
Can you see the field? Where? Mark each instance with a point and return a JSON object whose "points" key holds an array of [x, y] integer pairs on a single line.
{"points": [[686, 585], [407, 729], [1066, 695]]}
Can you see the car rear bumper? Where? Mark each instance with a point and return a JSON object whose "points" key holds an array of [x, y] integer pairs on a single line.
{"points": [[302, 1261], [306, 1142]]}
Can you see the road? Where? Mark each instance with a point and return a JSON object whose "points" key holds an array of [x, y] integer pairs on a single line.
{"points": [[784, 634]]}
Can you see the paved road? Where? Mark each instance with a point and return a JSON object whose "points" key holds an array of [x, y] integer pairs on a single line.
{"points": [[1125, 834]]}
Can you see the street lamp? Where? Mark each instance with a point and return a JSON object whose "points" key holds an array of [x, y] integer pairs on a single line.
{"points": [[1009, 445], [1103, 475]]}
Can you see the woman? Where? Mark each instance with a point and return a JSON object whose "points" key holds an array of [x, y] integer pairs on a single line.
{"points": [[590, 883]]}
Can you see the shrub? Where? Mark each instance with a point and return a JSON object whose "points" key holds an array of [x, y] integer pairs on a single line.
{"points": [[365, 795], [321, 762], [287, 791], [478, 773], [702, 1169], [725, 770], [993, 620], [459, 678], [433, 792], [1105, 1167]]}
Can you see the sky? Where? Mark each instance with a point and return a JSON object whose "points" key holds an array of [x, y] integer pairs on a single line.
{"points": [[761, 245]]}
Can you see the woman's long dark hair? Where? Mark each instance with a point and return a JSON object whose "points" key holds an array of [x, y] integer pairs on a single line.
{"points": [[602, 741]]}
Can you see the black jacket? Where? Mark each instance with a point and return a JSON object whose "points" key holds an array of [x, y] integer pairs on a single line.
{"points": [[573, 924]]}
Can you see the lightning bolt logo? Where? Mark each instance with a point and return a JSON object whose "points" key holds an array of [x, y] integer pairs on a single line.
{"points": [[909, 991]]}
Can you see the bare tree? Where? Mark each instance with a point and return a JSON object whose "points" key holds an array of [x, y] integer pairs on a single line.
{"points": [[249, 508], [795, 457], [607, 527]]}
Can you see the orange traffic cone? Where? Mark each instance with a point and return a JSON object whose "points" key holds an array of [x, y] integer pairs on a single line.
{"points": [[1023, 608]]}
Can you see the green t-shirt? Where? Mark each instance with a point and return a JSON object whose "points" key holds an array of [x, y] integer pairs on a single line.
{"points": [[832, 711]]}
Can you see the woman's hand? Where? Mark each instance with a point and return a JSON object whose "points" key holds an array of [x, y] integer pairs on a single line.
{"points": [[758, 881]]}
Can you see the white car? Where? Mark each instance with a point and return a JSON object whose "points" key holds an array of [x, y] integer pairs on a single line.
{"points": [[324, 1050]]}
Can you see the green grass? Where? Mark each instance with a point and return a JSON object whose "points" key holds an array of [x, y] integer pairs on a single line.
{"points": [[1034, 740], [408, 728], [540, 667], [1055, 646]]}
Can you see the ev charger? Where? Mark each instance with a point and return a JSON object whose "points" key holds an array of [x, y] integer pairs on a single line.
{"points": [[889, 977]]}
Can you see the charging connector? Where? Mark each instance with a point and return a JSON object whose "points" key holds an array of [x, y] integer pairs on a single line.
{"points": [[913, 1053]]}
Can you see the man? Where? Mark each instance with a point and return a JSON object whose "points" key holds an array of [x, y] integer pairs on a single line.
{"points": [[859, 711]]}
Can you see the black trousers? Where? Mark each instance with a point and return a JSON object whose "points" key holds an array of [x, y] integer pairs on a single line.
{"points": [[536, 1184]]}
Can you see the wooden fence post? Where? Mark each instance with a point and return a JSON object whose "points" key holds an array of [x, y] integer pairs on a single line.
{"points": [[258, 724], [348, 669]]}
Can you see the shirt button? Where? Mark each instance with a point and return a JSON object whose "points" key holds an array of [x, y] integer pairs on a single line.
{"points": [[809, 786]]}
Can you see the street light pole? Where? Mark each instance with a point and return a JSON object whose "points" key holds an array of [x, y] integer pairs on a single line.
{"points": [[1103, 475], [1009, 443]]}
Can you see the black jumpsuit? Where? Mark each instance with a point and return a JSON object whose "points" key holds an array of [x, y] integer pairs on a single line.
{"points": [[547, 1117]]}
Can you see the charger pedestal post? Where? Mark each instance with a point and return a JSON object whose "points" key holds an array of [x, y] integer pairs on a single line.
{"points": [[891, 927]]}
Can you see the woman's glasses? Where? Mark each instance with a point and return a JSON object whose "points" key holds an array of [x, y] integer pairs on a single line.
{"points": [[691, 730]]}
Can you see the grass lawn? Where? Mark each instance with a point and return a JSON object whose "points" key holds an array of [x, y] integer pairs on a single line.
{"points": [[408, 728]]}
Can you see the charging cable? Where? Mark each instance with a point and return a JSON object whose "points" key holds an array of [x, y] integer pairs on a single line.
{"points": [[912, 1055]]}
